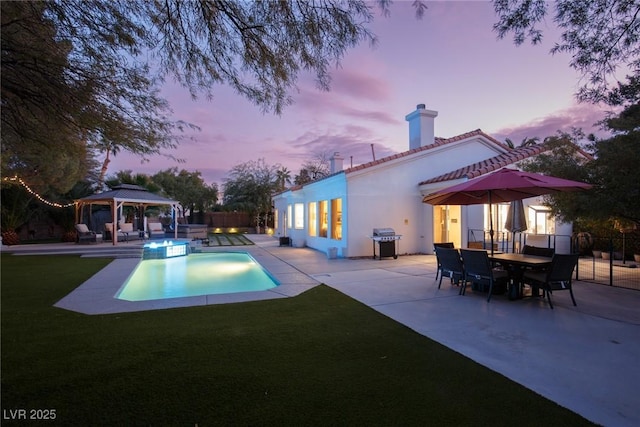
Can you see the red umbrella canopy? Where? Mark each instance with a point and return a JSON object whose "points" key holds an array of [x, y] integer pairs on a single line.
{"points": [[504, 185]]}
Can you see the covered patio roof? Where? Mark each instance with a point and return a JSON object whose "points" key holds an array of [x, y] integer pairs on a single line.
{"points": [[125, 194]]}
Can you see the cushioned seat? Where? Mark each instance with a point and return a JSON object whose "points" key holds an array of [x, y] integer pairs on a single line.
{"points": [[84, 235], [556, 278], [156, 230], [450, 264], [479, 272]]}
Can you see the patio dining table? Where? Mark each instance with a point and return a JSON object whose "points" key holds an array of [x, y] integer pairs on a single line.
{"points": [[516, 264]]}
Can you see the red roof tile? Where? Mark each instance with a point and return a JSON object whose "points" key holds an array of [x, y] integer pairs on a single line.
{"points": [[438, 142], [489, 165]]}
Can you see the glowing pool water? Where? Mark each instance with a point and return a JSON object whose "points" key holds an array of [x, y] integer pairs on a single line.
{"points": [[195, 274]]}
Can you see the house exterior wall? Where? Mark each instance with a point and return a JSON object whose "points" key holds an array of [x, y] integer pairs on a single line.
{"points": [[333, 187], [382, 195], [387, 194]]}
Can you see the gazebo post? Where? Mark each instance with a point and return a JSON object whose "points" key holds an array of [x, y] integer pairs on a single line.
{"points": [[114, 223]]}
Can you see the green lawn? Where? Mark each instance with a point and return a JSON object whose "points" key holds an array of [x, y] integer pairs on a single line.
{"points": [[317, 359]]}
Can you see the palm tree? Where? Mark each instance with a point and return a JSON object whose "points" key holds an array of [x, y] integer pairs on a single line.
{"points": [[526, 142], [283, 178]]}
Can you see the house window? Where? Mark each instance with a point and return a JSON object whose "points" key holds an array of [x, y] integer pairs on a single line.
{"points": [[336, 219], [324, 218], [298, 210], [313, 219], [289, 217], [541, 221]]}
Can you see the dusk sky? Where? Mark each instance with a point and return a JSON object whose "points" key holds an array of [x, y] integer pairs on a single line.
{"points": [[450, 60]]}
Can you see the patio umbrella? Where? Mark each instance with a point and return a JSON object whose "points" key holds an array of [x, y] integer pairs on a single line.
{"points": [[516, 219], [505, 185]]}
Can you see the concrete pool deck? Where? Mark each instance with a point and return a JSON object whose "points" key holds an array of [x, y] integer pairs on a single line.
{"points": [[585, 358]]}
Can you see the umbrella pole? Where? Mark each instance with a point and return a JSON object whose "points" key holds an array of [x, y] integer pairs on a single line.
{"points": [[490, 223]]}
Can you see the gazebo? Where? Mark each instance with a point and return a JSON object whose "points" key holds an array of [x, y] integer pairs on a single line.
{"points": [[125, 195]]}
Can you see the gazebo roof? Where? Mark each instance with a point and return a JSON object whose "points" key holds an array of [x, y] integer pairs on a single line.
{"points": [[129, 194]]}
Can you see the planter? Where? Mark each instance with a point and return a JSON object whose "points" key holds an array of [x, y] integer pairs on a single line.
{"points": [[636, 257], [285, 241], [606, 255], [596, 254]]}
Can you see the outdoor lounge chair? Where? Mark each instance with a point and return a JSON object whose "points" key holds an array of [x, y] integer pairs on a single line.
{"points": [[556, 278], [126, 232], [84, 235], [450, 265], [479, 272], [155, 229], [448, 245]]}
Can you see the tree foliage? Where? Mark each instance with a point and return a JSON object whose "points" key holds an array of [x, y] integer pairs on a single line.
{"points": [[71, 87], [313, 169], [600, 36], [139, 179], [80, 79], [565, 160], [188, 188], [616, 172], [34, 91], [250, 186], [613, 171]]}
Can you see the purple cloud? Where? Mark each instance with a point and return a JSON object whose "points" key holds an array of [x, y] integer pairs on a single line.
{"points": [[583, 116]]}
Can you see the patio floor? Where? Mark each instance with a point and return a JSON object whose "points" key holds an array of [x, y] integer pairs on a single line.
{"points": [[585, 358]]}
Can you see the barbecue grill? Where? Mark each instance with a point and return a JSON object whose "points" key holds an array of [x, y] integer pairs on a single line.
{"points": [[387, 240]]}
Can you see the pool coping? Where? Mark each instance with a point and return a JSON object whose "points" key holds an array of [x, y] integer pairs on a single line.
{"points": [[97, 295]]}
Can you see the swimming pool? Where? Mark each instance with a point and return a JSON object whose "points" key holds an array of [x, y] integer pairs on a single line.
{"points": [[195, 274]]}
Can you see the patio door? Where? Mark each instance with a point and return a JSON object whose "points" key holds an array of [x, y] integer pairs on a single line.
{"points": [[447, 226]]}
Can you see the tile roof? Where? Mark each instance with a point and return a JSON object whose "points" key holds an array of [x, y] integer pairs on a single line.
{"points": [[489, 165], [437, 143], [128, 192], [471, 171]]}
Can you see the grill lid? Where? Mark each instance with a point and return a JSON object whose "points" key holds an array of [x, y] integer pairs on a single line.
{"points": [[384, 231]]}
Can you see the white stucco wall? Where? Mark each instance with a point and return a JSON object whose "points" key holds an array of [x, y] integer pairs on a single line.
{"points": [[385, 195], [333, 187]]}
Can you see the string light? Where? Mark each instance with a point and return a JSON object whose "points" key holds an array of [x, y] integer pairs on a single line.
{"points": [[15, 179]]}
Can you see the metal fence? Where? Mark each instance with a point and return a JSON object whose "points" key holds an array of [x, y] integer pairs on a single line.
{"points": [[607, 265], [612, 264]]}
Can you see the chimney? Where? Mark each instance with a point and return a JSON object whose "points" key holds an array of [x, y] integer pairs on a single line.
{"points": [[336, 162], [421, 127]]}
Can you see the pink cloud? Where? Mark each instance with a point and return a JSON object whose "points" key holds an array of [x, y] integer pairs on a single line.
{"points": [[583, 116]]}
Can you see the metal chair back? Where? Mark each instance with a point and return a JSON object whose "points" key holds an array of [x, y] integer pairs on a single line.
{"points": [[450, 264], [478, 270]]}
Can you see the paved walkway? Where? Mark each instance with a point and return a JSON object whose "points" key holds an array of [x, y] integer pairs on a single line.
{"points": [[585, 358]]}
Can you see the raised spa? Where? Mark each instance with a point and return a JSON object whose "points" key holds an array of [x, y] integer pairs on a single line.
{"points": [[195, 274]]}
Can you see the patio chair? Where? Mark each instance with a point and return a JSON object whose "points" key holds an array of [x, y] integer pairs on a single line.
{"points": [[125, 231], [84, 235], [538, 251], [155, 230], [450, 265], [556, 278], [479, 272], [448, 245], [108, 231]]}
